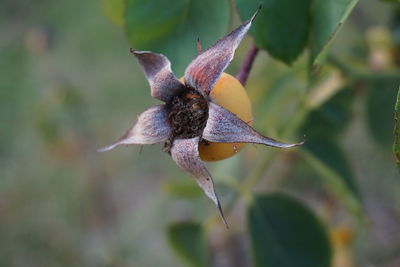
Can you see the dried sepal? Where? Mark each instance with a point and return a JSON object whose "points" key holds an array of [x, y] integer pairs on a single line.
{"points": [[225, 127], [152, 127], [204, 71], [163, 83], [186, 155]]}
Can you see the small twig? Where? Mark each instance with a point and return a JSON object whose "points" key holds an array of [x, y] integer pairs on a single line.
{"points": [[247, 64], [358, 74], [342, 67]]}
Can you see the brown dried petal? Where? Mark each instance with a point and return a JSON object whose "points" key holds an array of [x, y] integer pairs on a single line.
{"points": [[204, 71], [186, 154], [152, 127], [157, 68], [225, 127]]}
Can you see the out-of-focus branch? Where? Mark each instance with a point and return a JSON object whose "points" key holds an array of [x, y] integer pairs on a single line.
{"points": [[247, 64]]}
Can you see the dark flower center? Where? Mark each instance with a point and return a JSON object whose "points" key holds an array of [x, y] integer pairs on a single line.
{"points": [[187, 115]]}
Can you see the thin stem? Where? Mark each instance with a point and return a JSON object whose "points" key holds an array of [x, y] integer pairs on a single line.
{"points": [[344, 68], [247, 64], [357, 74]]}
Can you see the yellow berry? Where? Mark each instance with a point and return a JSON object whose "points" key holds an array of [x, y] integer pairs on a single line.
{"points": [[229, 93]]}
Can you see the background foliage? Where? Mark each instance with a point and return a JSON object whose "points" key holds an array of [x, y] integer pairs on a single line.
{"points": [[328, 69]]}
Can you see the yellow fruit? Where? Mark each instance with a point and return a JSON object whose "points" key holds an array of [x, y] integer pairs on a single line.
{"points": [[229, 93]]}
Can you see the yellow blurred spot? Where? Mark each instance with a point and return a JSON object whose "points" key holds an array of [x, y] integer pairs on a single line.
{"points": [[380, 47], [341, 238]]}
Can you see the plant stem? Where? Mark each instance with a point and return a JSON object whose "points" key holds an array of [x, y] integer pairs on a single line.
{"points": [[344, 68], [247, 64], [357, 74]]}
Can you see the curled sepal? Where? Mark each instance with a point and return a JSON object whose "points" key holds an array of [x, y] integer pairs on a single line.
{"points": [[152, 127], [186, 154], [157, 68], [225, 127], [204, 71]]}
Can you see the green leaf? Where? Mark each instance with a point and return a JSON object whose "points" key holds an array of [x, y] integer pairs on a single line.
{"points": [[322, 126], [331, 117], [281, 27], [330, 162], [188, 241], [331, 156], [328, 17], [114, 10], [284, 233], [381, 98], [172, 27], [396, 144]]}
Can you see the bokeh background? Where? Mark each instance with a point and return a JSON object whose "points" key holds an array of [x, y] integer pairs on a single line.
{"points": [[68, 86]]}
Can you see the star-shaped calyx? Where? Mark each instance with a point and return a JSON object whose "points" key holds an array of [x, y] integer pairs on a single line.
{"points": [[189, 115]]}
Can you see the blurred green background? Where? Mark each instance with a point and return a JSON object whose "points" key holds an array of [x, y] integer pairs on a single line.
{"points": [[68, 85]]}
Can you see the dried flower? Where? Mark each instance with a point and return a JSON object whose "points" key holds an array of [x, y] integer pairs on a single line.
{"points": [[189, 115]]}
